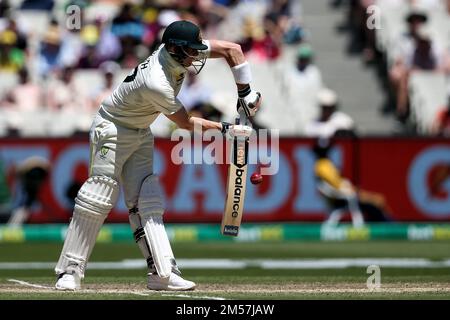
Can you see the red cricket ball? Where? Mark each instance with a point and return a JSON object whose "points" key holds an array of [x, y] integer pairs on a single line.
{"points": [[256, 178]]}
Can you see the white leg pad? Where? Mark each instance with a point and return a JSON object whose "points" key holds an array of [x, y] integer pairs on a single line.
{"points": [[157, 238], [151, 209], [141, 240], [94, 201]]}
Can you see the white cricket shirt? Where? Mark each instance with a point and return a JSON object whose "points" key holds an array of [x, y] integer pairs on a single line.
{"points": [[150, 89]]}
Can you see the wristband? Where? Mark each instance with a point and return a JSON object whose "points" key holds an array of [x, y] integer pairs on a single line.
{"points": [[244, 92], [242, 73]]}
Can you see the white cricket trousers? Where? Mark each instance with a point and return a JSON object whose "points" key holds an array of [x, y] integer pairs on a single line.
{"points": [[123, 154]]}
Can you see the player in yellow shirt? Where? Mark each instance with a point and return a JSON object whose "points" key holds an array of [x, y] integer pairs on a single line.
{"points": [[339, 192]]}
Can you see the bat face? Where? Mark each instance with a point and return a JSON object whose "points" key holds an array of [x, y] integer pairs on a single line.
{"points": [[237, 177]]}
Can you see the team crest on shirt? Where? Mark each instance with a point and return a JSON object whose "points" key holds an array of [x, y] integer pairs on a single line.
{"points": [[103, 151], [179, 78]]}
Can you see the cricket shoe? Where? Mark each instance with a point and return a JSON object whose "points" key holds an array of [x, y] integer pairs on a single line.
{"points": [[171, 283], [68, 281]]}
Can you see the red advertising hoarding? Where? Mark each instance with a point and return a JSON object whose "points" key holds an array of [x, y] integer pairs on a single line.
{"points": [[412, 174]]}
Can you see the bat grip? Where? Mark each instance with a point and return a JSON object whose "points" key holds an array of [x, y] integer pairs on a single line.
{"points": [[242, 117]]}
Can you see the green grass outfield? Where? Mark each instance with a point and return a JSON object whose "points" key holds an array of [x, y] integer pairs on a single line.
{"points": [[430, 281]]}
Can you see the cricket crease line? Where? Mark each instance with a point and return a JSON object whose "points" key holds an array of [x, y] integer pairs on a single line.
{"points": [[140, 294], [29, 284], [126, 292], [193, 297]]}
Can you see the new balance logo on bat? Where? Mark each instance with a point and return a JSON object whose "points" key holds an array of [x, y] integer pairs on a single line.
{"points": [[241, 157], [231, 230], [240, 154], [237, 194]]}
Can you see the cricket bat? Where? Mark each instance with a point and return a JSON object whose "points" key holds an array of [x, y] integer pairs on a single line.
{"points": [[236, 183]]}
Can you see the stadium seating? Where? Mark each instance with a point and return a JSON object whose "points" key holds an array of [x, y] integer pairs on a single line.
{"points": [[280, 102], [427, 91], [33, 22]]}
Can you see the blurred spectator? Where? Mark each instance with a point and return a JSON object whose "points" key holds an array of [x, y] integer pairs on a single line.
{"points": [[45, 5], [152, 28], [12, 59], [261, 42], [214, 12], [199, 12], [22, 41], [252, 31], [415, 20], [341, 195], [26, 96], [100, 44], [441, 125], [427, 55], [330, 120], [270, 45], [194, 92], [109, 69], [285, 15], [338, 191], [130, 32], [72, 45], [72, 48], [306, 75], [31, 174], [424, 55], [88, 59], [398, 72], [129, 57], [50, 53], [63, 94], [108, 45]]}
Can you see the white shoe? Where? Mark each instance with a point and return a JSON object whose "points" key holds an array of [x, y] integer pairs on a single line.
{"points": [[172, 283], [68, 281]]}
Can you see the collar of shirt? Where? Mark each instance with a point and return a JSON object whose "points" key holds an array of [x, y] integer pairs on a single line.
{"points": [[174, 67]]}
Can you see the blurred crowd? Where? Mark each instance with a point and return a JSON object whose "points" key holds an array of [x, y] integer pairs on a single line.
{"points": [[410, 41], [64, 57], [60, 58]]}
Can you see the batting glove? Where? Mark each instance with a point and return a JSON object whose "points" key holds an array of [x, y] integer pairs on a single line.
{"points": [[249, 100], [231, 131]]}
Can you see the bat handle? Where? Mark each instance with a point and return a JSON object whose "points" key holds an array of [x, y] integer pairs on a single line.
{"points": [[243, 117]]}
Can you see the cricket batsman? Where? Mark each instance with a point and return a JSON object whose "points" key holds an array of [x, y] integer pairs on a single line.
{"points": [[121, 146]]}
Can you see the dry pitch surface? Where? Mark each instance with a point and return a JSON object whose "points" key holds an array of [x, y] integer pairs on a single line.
{"points": [[18, 289]]}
